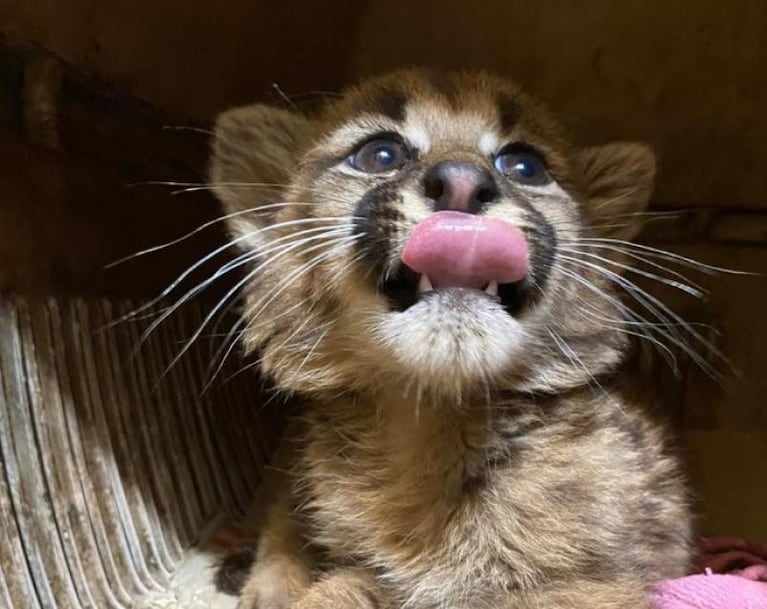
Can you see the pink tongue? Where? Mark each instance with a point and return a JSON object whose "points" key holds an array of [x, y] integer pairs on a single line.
{"points": [[456, 249]]}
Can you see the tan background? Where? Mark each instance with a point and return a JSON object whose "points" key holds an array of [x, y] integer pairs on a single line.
{"points": [[688, 77]]}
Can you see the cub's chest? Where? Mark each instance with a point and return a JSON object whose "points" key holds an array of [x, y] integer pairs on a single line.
{"points": [[445, 498], [382, 477]]}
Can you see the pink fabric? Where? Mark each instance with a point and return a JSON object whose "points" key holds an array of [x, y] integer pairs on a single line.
{"points": [[734, 577], [455, 249], [710, 592]]}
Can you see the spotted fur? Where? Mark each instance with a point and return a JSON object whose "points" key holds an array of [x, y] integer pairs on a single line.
{"points": [[456, 450]]}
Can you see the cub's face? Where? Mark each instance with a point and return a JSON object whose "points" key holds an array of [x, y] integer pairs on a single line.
{"points": [[426, 229]]}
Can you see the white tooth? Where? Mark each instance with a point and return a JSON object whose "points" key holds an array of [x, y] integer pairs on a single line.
{"points": [[492, 288], [424, 285]]}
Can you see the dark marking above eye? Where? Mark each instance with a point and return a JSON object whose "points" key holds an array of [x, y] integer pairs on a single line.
{"points": [[509, 112], [390, 102], [443, 83]]}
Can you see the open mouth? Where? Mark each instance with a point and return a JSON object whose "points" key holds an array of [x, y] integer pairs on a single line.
{"points": [[456, 251], [406, 287]]}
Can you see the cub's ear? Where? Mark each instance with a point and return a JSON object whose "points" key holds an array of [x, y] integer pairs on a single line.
{"points": [[254, 152], [618, 179]]}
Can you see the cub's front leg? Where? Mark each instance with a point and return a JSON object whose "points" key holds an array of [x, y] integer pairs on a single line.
{"points": [[281, 577], [282, 571]]}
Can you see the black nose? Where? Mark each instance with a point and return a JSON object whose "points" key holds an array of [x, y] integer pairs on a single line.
{"points": [[460, 186]]}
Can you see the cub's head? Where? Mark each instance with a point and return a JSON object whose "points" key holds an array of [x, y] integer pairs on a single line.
{"points": [[427, 229]]}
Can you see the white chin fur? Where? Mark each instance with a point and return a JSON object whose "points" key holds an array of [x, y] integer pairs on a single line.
{"points": [[453, 339]]}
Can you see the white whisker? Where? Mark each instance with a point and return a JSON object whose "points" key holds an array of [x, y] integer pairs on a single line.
{"points": [[231, 293], [692, 290], [661, 311], [635, 256], [568, 352], [653, 251], [178, 280], [242, 260], [197, 230], [301, 270], [632, 315]]}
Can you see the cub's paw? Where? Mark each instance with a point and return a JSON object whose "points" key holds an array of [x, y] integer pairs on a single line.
{"points": [[273, 583], [343, 589]]}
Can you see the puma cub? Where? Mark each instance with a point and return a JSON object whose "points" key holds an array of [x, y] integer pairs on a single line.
{"points": [[432, 266]]}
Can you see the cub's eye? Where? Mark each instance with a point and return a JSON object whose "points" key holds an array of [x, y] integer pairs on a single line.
{"points": [[380, 156], [522, 165]]}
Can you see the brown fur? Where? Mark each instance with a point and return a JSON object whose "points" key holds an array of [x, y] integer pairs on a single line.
{"points": [[451, 454]]}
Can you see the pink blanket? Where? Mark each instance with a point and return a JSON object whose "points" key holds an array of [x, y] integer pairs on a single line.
{"points": [[727, 574]]}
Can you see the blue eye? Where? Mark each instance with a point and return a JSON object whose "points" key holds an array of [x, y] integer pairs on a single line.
{"points": [[522, 165], [384, 156], [380, 156]]}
